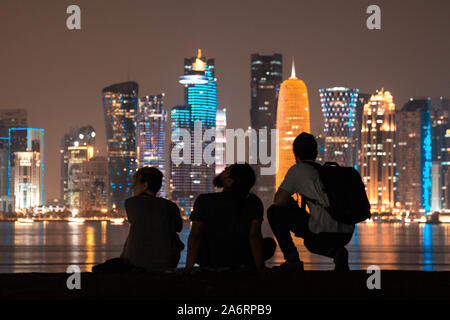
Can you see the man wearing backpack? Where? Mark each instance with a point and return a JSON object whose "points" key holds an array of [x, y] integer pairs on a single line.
{"points": [[322, 234]]}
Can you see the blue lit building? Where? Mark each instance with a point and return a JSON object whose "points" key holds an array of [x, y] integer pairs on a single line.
{"points": [[200, 105], [150, 135], [120, 103], [414, 155], [200, 89], [340, 128], [26, 167], [440, 153]]}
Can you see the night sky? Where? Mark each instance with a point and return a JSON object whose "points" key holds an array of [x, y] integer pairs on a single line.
{"points": [[58, 74]]}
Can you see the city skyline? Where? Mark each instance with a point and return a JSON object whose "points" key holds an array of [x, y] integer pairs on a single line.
{"points": [[409, 46]]}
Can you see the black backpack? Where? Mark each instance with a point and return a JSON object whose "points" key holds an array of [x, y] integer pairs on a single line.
{"points": [[345, 191]]}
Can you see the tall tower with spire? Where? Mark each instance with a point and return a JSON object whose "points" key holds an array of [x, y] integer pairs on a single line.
{"points": [[200, 108], [292, 119]]}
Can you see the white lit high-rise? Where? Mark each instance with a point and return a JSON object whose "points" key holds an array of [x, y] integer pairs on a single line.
{"points": [[26, 167], [221, 139], [151, 121], [339, 112], [378, 143]]}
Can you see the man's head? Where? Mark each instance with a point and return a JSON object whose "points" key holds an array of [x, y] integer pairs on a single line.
{"points": [[239, 177], [147, 179], [305, 147]]}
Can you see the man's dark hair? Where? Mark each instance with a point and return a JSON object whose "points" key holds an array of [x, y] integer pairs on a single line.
{"points": [[152, 176], [243, 177], [305, 146]]}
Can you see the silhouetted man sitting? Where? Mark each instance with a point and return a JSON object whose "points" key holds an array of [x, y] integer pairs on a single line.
{"points": [[152, 242], [226, 226], [321, 233]]}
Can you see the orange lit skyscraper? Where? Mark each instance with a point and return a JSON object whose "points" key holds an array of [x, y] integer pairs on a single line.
{"points": [[377, 150], [292, 119]]}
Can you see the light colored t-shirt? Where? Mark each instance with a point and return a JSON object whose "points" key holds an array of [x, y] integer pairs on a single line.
{"points": [[304, 179]]}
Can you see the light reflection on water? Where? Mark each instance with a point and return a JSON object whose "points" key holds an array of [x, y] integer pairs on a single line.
{"points": [[52, 246]]}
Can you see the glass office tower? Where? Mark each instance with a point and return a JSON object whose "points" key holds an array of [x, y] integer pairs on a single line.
{"points": [[83, 136], [440, 153], [339, 112], [180, 174], [120, 105], [414, 155], [266, 72], [151, 121], [377, 151], [221, 139]]}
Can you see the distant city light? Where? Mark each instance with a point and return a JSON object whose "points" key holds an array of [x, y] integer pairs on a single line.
{"points": [[193, 79]]}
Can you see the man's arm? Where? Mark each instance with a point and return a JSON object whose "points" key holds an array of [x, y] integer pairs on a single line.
{"points": [[256, 243], [194, 242], [176, 216], [282, 197], [129, 210]]}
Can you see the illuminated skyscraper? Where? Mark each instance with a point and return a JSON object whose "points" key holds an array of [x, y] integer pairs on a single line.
{"points": [[339, 112], [414, 155], [363, 98], [4, 156], [292, 119], [120, 106], [440, 152], [320, 147], [266, 78], [9, 118], [180, 174], [94, 182], [200, 89], [77, 137], [377, 151], [151, 121], [26, 167], [221, 140], [77, 155], [200, 93], [12, 118]]}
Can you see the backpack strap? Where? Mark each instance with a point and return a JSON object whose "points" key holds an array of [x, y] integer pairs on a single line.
{"points": [[303, 202], [317, 167]]}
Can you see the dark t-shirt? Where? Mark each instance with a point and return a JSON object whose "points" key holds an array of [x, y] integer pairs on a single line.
{"points": [[227, 220], [152, 241]]}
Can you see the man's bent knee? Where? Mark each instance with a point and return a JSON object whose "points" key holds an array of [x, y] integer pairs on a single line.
{"points": [[273, 213]]}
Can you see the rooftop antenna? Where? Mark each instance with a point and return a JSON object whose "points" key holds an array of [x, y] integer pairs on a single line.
{"points": [[293, 70]]}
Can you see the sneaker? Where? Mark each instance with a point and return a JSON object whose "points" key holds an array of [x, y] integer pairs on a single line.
{"points": [[289, 266], [341, 260]]}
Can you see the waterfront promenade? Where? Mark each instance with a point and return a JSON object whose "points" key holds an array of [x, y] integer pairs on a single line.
{"points": [[227, 286]]}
